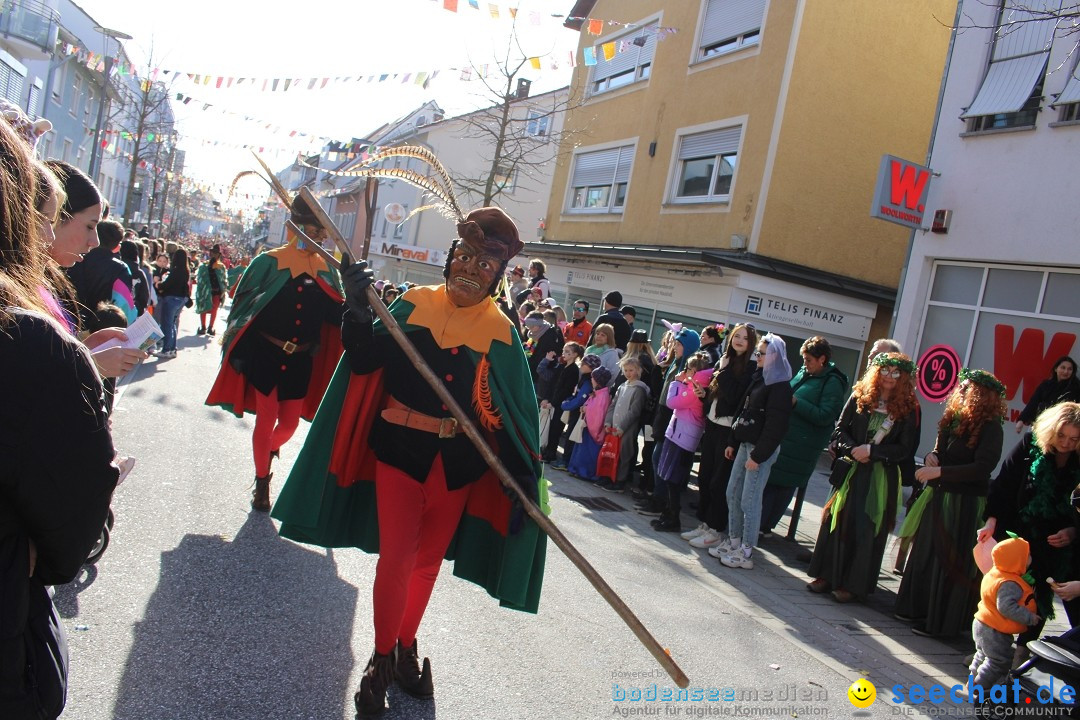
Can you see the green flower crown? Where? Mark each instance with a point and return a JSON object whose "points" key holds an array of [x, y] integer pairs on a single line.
{"points": [[981, 377], [883, 360]]}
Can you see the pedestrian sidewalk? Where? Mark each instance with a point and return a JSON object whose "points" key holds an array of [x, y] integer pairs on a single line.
{"points": [[861, 639]]}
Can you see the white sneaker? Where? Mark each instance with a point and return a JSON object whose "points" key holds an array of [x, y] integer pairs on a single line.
{"points": [[741, 558], [696, 532], [725, 547], [709, 539]]}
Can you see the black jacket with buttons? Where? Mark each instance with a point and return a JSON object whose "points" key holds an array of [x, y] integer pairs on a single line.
{"points": [[414, 451]]}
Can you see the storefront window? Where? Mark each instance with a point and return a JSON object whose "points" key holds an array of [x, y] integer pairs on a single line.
{"points": [[1062, 295], [957, 284], [1013, 289], [1014, 329]]}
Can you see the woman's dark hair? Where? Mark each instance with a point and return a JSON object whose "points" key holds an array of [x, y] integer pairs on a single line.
{"points": [[21, 252], [712, 332], [110, 233], [538, 265], [129, 251], [179, 260], [817, 347], [81, 191], [1063, 358]]}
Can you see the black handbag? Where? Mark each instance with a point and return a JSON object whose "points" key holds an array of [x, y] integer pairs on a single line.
{"points": [[840, 468]]}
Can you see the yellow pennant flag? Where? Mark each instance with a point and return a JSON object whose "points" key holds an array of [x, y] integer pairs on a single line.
{"points": [[609, 50], [535, 61]]}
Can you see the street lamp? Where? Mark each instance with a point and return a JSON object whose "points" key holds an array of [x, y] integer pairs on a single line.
{"points": [[95, 152]]}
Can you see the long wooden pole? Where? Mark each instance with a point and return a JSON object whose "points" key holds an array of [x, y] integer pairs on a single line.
{"points": [[465, 423]]}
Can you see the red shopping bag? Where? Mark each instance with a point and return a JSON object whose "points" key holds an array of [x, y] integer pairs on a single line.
{"points": [[607, 462]]}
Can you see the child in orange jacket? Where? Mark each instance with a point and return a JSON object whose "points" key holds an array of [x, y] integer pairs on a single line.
{"points": [[1007, 608]]}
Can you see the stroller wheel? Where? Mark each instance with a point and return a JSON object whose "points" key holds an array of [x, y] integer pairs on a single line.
{"points": [[110, 520], [99, 547]]}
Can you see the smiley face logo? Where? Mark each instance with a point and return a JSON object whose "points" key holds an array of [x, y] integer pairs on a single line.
{"points": [[862, 693]]}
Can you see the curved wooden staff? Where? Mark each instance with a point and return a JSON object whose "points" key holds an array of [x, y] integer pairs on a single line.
{"points": [[465, 423]]}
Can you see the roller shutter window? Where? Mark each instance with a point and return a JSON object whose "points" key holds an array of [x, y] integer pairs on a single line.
{"points": [[600, 180], [707, 163], [1010, 93], [730, 25], [11, 83], [632, 60]]}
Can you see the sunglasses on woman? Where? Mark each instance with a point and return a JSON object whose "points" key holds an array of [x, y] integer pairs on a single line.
{"points": [[889, 372]]}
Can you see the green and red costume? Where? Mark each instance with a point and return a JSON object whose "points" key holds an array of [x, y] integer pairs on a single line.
{"points": [[330, 498], [268, 275]]}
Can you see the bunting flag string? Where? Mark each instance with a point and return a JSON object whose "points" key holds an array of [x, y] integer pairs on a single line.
{"points": [[495, 11], [260, 84], [595, 26]]}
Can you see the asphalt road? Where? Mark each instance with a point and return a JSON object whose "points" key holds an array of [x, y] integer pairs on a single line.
{"points": [[199, 610]]}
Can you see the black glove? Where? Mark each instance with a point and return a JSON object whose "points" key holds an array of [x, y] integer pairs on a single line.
{"points": [[356, 278]]}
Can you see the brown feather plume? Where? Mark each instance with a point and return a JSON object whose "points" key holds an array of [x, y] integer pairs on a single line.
{"points": [[271, 178]]}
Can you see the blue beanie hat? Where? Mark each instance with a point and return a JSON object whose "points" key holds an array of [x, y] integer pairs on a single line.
{"points": [[690, 340], [601, 375]]}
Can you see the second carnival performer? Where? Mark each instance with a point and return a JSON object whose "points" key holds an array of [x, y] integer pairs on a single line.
{"points": [[281, 344], [386, 468]]}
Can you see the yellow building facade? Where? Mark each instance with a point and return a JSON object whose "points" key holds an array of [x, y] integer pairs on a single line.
{"points": [[722, 163]]}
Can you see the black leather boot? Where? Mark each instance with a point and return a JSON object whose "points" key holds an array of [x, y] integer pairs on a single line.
{"points": [[260, 496], [370, 699], [407, 672]]}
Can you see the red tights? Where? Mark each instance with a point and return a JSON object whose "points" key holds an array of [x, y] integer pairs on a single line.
{"points": [[215, 303], [275, 423], [416, 523]]}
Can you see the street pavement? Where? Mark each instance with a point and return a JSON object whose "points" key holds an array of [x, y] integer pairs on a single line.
{"points": [[199, 610]]}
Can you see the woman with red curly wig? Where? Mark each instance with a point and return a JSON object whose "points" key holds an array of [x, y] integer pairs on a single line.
{"points": [[940, 590], [875, 435]]}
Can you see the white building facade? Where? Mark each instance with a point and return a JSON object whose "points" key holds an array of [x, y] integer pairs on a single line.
{"points": [[1000, 288]]}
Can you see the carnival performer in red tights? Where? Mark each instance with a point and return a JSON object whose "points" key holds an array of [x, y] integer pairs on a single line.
{"points": [[281, 344]]}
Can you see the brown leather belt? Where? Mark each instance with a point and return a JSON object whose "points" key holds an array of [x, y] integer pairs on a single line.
{"points": [[287, 346], [397, 413]]}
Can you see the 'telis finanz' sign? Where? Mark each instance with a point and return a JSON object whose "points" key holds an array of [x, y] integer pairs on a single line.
{"points": [[901, 192]]}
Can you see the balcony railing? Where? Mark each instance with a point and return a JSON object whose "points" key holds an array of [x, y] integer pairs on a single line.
{"points": [[30, 20]]}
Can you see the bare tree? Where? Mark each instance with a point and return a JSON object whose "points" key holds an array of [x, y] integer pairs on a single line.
{"points": [[520, 133], [147, 120]]}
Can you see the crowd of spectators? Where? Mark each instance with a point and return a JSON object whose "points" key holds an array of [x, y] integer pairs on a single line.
{"points": [[725, 400]]}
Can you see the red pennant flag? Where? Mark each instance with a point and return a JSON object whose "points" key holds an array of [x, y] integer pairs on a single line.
{"points": [[219, 81], [595, 26], [450, 5]]}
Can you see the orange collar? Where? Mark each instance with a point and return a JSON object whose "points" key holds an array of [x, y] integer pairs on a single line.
{"points": [[475, 326], [291, 258]]}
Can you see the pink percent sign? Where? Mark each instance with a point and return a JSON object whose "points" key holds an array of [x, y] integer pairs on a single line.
{"points": [[939, 367]]}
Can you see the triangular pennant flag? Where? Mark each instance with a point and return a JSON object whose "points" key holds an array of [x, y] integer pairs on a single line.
{"points": [[219, 81], [288, 82], [206, 80], [513, 12], [421, 78], [276, 81], [311, 83], [323, 83]]}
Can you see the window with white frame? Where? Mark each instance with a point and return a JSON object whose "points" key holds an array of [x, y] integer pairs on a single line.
{"points": [[11, 83], [730, 25], [58, 83], [538, 124], [76, 94], [631, 61], [1011, 91], [600, 179], [706, 166], [505, 177], [45, 144], [66, 154]]}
